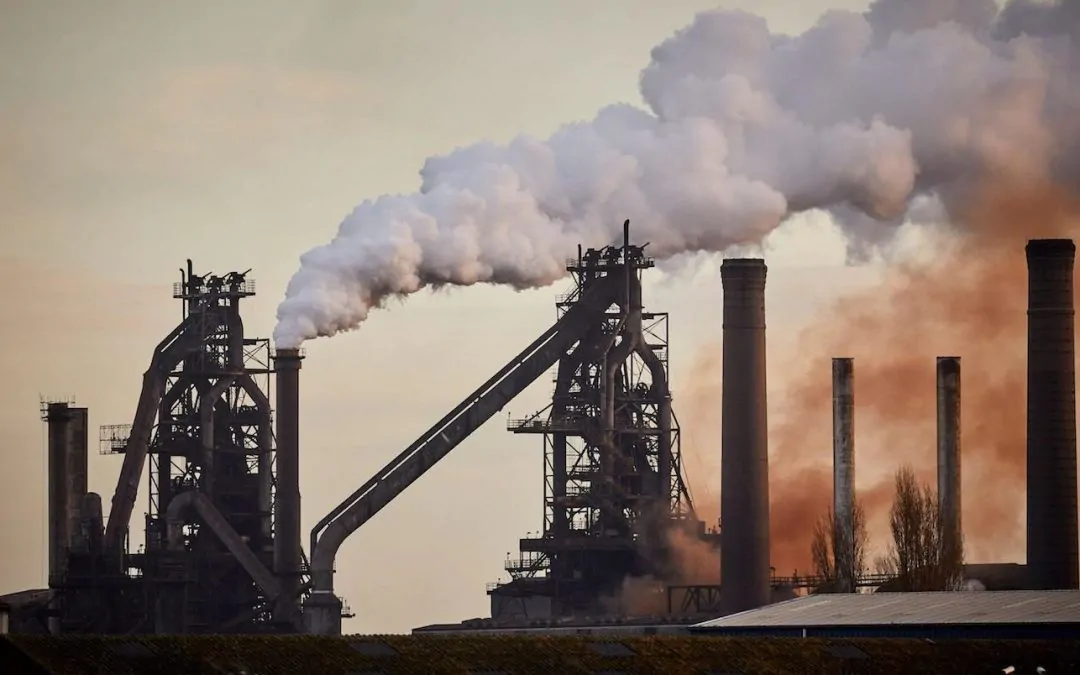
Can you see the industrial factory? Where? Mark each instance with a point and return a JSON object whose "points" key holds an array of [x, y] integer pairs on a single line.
{"points": [[223, 547]]}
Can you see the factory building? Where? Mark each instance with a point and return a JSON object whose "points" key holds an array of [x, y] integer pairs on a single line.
{"points": [[222, 536], [223, 547], [614, 487], [975, 615]]}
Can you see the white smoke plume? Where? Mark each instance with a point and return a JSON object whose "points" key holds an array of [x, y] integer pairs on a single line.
{"points": [[859, 115]]}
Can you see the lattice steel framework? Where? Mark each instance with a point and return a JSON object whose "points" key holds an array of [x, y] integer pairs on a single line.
{"points": [[204, 420], [214, 436], [613, 485]]}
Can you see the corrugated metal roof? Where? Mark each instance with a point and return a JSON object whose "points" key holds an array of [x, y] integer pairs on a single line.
{"points": [[965, 607]]}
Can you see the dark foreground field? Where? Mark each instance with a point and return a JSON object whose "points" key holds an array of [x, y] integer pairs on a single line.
{"points": [[415, 655]]}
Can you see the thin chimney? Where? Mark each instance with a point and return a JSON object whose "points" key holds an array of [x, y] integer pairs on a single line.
{"points": [[844, 471], [948, 450], [287, 533]]}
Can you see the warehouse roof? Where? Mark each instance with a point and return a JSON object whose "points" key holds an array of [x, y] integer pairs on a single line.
{"points": [[855, 609]]}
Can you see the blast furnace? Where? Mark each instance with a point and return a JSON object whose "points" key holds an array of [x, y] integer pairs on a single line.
{"points": [[613, 486], [221, 541]]}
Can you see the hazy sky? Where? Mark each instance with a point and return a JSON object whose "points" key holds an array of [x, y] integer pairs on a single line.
{"points": [[134, 135]]}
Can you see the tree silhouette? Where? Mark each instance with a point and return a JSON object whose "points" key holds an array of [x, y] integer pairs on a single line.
{"points": [[919, 556], [838, 560]]}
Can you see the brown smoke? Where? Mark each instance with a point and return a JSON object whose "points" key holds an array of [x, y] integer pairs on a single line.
{"points": [[968, 300], [697, 562], [694, 563], [699, 406]]}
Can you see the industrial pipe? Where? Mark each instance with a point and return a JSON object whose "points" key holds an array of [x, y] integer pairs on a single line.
{"points": [[843, 370], [287, 556], [948, 452], [207, 403], [171, 351], [234, 360], [265, 463], [661, 391], [91, 527], [322, 611], [614, 360], [1052, 541], [216, 522], [744, 468], [170, 612]]}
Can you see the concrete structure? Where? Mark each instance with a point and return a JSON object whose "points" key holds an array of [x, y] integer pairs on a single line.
{"points": [[744, 463], [948, 450], [27, 612], [995, 576], [287, 528], [969, 615], [1053, 554], [67, 461], [843, 370]]}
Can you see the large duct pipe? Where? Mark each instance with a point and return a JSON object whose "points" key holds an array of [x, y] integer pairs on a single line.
{"points": [[948, 451], [843, 370], [92, 527], [1053, 558], [207, 403], [744, 469], [170, 614], [287, 554]]}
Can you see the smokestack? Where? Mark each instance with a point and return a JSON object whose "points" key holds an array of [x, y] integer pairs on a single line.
{"points": [[948, 451], [67, 461], [287, 554], [843, 370], [744, 469], [1052, 541]]}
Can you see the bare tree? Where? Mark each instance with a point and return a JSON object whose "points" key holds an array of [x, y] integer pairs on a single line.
{"points": [[839, 560], [821, 552], [919, 556]]}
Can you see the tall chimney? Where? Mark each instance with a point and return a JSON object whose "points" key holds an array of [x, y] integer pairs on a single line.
{"points": [[843, 370], [948, 451], [1052, 542], [744, 469], [287, 554], [67, 463]]}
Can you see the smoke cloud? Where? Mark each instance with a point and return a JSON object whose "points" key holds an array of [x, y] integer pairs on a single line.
{"points": [[968, 299], [741, 128]]}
